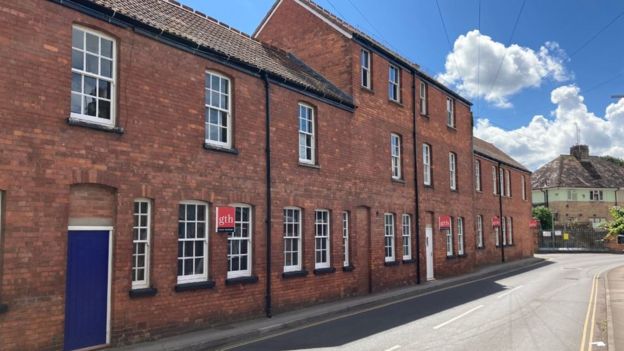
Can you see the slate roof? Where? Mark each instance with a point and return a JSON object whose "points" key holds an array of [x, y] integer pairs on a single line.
{"points": [[567, 171], [482, 147], [182, 21], [355, 31]]}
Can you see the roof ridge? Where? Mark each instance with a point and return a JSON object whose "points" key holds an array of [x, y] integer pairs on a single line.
{"points": [[206, 17], [354, 28]]}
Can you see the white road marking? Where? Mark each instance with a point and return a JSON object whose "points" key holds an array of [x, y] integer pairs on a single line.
{"points": [[270, 327], [599, 343], [395, 347], [458, 317], [509, 292]]}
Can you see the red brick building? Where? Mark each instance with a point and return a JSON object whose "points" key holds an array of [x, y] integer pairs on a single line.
{"points": [[127, 123]]}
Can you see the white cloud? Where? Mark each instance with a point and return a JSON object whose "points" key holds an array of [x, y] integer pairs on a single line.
{"points": [[520, 67], [544, 139]]}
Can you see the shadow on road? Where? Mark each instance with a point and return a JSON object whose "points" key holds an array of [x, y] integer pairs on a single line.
{"points": [[351, 328]]}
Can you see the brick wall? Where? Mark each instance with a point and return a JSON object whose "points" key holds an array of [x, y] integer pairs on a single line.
{"points": [[52, 172], [487, 204]]}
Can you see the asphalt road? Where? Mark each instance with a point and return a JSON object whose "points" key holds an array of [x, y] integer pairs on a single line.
{"points": [[543, 307]]}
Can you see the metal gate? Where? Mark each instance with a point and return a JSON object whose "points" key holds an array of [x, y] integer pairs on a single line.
{"points": [[572, 239]]}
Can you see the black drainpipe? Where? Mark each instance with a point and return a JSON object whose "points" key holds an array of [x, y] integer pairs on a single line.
{"points": [[500, 208], [417, 214], [267, 132]]}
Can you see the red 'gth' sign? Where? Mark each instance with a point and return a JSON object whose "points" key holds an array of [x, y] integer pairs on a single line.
{"points": [[225, 219], [444, 222]]}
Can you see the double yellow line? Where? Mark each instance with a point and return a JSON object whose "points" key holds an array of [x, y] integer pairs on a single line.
{"points": [[586, 341]]}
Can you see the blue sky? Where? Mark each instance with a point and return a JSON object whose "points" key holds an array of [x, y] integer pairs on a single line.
{"points": [[580, 75]]}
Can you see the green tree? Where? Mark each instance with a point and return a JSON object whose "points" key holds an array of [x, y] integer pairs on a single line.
{"points": [[544, 215], [615, 227]]}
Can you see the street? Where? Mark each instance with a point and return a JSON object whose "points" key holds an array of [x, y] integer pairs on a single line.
{"points": [[543, 307]]}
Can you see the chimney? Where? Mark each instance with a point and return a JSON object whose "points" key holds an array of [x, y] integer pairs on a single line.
{"points": [[581, 152]]}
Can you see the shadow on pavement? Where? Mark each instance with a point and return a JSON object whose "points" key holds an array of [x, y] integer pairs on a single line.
{"points": [[351, 328]]}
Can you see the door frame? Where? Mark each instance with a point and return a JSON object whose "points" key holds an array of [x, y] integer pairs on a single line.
{"points": [[110, 269], [429, 248]]}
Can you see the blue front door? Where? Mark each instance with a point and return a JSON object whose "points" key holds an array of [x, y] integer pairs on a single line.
{"points": [[86, 298]]}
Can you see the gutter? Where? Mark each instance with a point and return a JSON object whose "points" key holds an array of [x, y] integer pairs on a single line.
{"points": [[267, 132], [500, 215], [415, 147], [108, 15]]}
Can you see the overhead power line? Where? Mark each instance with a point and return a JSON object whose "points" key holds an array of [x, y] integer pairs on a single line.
{"points": [[371, 25], [444, 26], [615, 19], [513, 31]]}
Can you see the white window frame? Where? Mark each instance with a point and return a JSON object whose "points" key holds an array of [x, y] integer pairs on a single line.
{"points": [[504, 230], [508, 183], [453, 170], [137, 227], [394, 87], [365, 69], [294, 235], [407, 236], [423, 98], [501, 174], [479, 231], [345, 238], [494, 181], [524, 194], [84, 73], [238, 224], [307, 133], [460, 235], [510, 230], [427, 164], [395, 155], [595, 195], [322, 238], [450, 112], [449, 240], [478, 175], [496, 238], [181, 279], [389, 224], [208, 92]]}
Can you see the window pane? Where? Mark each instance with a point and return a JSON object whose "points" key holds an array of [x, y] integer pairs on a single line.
{"points": [[90, 86], [93, 43], [104, 109], [77, 59], [106, 68], [92, 64], [76, 103], [89, 106], [104, 89], [77, 38], [107, 48]]}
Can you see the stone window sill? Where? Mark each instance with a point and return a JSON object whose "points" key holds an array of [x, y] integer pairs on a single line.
{"points": [[231, 151], [398, 180], [295, 274], [408, 261], [309, 165], [194, 286], [321, 271], [348, 268], [85, 124], [391, 263], [242, 280], [134, 293]]}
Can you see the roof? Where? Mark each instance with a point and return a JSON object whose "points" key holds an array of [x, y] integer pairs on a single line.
{"points": [[484, 148], [196, 27], [566, 171], [358, 33]]}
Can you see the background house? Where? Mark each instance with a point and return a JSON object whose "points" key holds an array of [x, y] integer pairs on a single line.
{"points": [[579, 188]]}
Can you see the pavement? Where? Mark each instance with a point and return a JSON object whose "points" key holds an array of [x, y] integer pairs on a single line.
{"points": [[615, 308], [265, 327]]}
